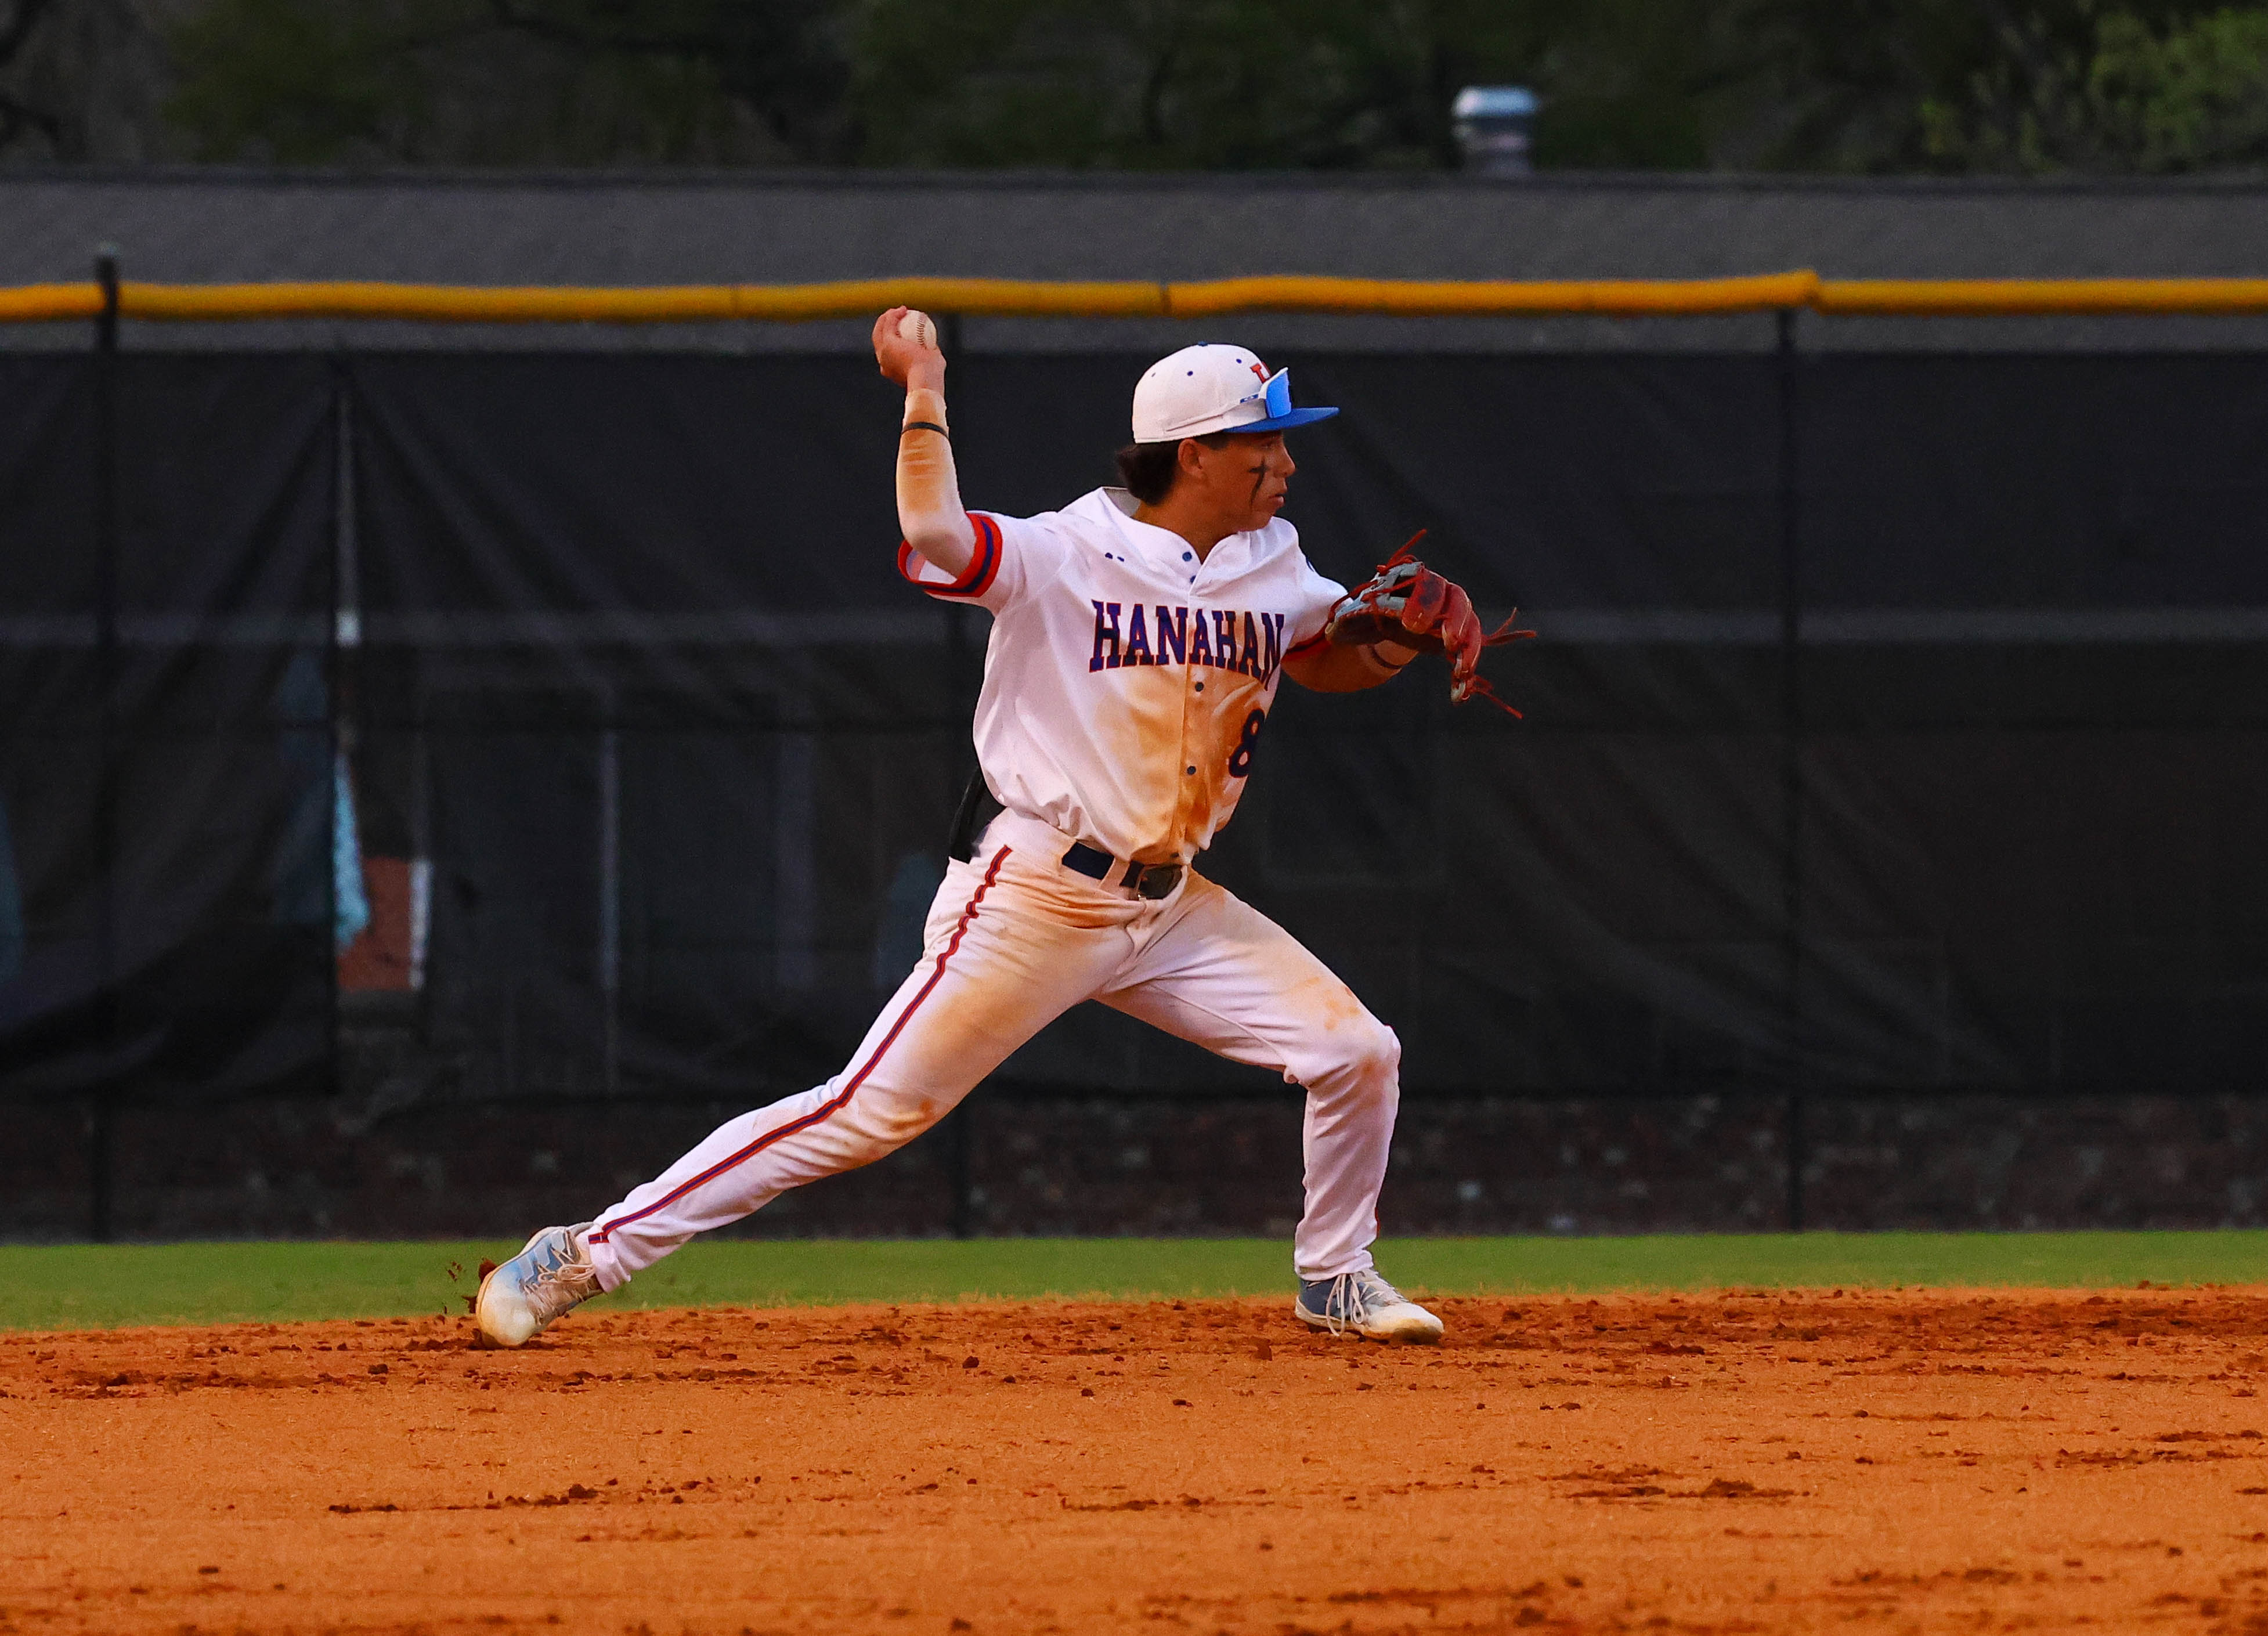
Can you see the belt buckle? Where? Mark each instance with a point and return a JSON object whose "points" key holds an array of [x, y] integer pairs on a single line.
{"points": [[1158, 881]]}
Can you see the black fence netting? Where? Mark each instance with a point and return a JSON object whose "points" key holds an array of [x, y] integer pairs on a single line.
{"points": [[1898, 721], [166, 888]]}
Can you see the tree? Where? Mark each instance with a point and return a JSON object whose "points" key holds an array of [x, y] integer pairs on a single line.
{"points": [[1177, 83], [18, 117], [82, 79], [512, 82], [1847, 85], [2112, 91]]}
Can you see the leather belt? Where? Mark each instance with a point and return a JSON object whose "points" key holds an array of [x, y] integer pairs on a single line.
{"points": [[1150, 880]]}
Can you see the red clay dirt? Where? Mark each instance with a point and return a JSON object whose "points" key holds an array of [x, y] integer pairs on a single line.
{"points": [[1753, 1463]]}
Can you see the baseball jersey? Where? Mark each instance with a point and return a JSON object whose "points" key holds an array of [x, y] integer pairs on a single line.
{"points": [[1126, 683]]}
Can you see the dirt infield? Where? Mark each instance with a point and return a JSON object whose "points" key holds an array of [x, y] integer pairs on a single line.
{"points": [[1733, 1463]]}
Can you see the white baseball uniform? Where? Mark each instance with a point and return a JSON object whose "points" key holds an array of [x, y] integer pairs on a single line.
{"points": [[1126, 683]]}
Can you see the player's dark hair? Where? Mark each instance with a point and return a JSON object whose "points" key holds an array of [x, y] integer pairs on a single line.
{"points": [[1148, 469]]}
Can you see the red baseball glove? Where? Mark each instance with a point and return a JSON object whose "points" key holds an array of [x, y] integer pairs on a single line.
{"points": [[1411, 606]]}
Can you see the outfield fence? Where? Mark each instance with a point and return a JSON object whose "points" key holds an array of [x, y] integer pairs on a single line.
{"points": [[474, 729]]}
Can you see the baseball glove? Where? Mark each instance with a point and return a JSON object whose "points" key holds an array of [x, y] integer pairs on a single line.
{"points": [[1411, 606]]}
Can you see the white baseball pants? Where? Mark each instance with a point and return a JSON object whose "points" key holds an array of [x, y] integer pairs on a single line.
{"points": [[1013, 940]]}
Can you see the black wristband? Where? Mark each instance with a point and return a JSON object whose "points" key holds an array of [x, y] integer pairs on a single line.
{"points": [[925, 425]]}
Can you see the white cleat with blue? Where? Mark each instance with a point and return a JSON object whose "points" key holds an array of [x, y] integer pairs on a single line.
{"points": [[1362, 1305], [545, 1281]]}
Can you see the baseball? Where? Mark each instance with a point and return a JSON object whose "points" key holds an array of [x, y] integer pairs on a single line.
{"points": [[915, 327]]}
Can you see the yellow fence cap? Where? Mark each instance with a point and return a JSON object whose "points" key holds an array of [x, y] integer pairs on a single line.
{"points": [[1020, 297]]}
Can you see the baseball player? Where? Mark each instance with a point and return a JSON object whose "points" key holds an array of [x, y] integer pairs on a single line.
{"points": [[1139, 638]]}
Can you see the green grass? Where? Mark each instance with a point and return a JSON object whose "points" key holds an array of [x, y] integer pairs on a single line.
{"points": [[95, 1287]]}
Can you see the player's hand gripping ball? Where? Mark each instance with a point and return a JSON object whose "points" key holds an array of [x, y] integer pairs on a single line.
{"points": [[904, 338], [1407, 604]]}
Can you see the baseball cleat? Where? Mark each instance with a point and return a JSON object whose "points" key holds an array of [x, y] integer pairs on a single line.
{"points": [[1363, 1306], [546, 1280]]}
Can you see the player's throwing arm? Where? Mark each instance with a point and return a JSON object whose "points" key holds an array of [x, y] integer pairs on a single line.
{"points": [[929, 488]]}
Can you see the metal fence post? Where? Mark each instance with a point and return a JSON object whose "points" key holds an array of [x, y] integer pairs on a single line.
{"points": [[1788, 360], [610, 896], [100, 1224]]}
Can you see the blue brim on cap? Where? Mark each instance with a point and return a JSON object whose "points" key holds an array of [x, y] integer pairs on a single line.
{"points": [[1290, 418], [1281, 414]]}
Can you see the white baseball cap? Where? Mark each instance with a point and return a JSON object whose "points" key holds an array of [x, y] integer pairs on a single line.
{"points": [[1210, 388]]}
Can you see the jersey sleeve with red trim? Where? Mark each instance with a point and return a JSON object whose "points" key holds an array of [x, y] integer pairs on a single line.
{"points": [[1009, 552], [1314, 599]]}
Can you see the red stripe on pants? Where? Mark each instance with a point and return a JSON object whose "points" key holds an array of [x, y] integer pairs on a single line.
{"points": [[600, 1235]]}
